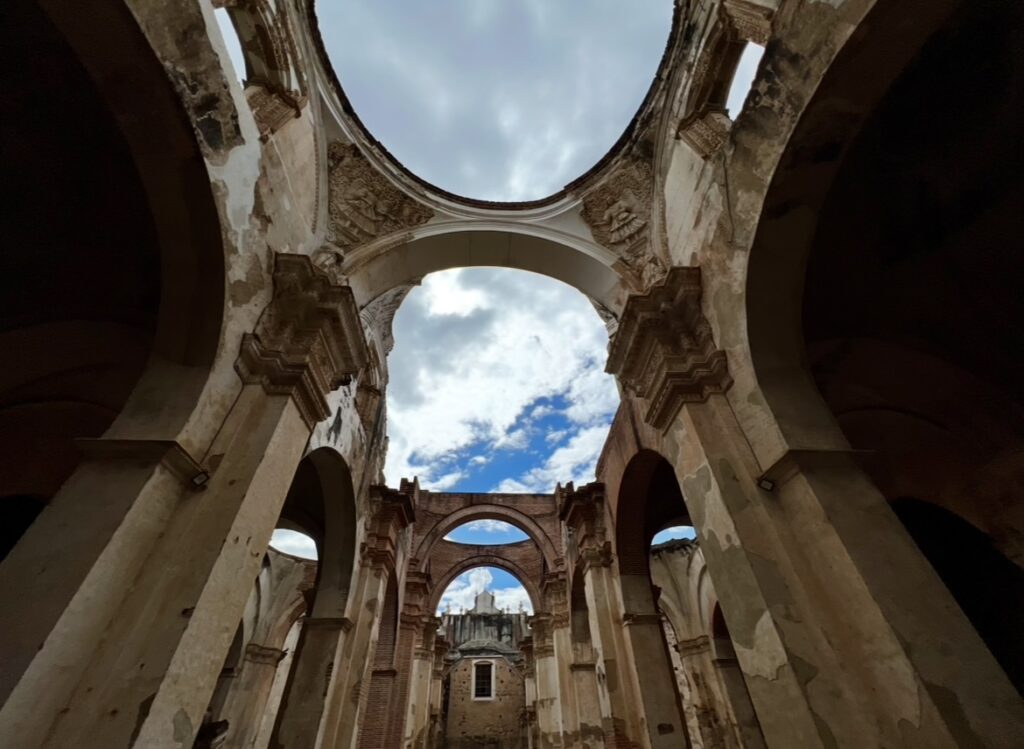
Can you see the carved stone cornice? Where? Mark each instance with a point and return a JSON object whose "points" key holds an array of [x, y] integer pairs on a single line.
{"points": [[583, 511], [664, 350], [751, 20], [695, 646], [309, 341], [641, 620], [619, 214], [362, 203], [706, 130], [263, 654], [392, 513]]}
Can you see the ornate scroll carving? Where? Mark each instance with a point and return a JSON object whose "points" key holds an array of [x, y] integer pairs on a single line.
{"points": [[705, 131], [664, 350], [618, 212], [310, 340], [752, 21], [363, 204]]}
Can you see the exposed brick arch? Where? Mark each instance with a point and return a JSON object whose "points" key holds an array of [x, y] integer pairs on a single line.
{"points": [[536, 515], [521, 560]]}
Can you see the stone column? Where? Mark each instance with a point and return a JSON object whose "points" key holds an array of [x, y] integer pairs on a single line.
{"points": [[248, 698], [392, 511], [549, 715], [530, 686], [139, 638], [304, 700], [737, 696], [437, 722], [584, 511], [417, 722], [843, 631], [585, 691]]}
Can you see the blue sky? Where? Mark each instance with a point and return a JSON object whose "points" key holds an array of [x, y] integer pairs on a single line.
{"points": [[497, 379]]}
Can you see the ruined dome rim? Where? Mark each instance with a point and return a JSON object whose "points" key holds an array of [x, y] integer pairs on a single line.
{"points": [[577, 186]]}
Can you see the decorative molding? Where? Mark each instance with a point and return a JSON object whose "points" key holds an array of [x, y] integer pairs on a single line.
{"points": [[393, 511], [272, 109], [363, 204], [583, 511], [640, 620], [310, 340], [664, 350], [619, 214], [263, 654], [706, 130], [751, 20], [694, 646]]}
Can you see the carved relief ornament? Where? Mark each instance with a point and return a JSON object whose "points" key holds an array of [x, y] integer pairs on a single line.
{"points": [[664, 350], [362, 204], [619, 212], [309, 341], [583, 511]]}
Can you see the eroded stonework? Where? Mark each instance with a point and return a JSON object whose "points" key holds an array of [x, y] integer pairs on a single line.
{"points": [[363, 204], [619, 214]]}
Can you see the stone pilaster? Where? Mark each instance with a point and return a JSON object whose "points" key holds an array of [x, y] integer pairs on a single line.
{"points": [[664, 351], [392, 512], [310, 339]]}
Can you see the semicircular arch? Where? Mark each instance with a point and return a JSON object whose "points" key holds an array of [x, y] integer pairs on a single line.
{"points": [[509, 515], [475, 562], [594, 272]]}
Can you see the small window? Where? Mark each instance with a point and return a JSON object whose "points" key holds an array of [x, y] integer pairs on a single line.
{"points": [[483, 681]]}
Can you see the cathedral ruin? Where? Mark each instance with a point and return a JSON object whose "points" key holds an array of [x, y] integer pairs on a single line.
{"points": [[815, 318]]}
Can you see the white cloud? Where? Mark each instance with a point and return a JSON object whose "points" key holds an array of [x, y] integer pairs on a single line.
{"points": [[520, 99], [294, 543], [461, 593], [575, 461], [461, 383], [487, 525]]}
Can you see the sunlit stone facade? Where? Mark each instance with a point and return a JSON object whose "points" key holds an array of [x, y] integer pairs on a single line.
{"points": [[815, 320]]}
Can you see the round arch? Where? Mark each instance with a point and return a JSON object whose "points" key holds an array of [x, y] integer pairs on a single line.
{"points": [[321, 502], [809, 161], [116, 305], [476, 562], [510, 515], [593, 271]]}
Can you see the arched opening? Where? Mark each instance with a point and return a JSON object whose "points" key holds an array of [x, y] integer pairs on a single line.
{"points": [[489, 585], [113, 257], [321, 503], [486, 532], [293, 542], [484, 621], [912, 312], [81, 265], [649, 501]]}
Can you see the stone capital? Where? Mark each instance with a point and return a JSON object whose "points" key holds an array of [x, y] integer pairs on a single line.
{"points": [[393, 511], [706, 130], [309, 341], [263, 654], [664, 350]]}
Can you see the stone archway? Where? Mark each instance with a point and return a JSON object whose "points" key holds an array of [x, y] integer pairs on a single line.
{"points": [[522, 563]]}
